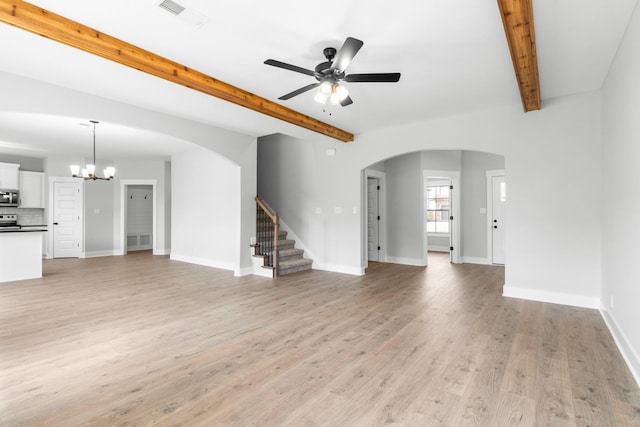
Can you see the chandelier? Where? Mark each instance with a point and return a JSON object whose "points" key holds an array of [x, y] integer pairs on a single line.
{"points": [[89, 172]]}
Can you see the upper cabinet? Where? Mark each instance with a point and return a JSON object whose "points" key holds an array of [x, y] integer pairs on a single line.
{"points": [[31, 190], [9, 176]]}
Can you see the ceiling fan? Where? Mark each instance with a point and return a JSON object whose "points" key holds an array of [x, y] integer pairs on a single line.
{"points": [[331, 74]]}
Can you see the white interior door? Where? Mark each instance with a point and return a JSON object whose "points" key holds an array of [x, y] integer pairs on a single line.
{"points": [[450, 221], [498, 221], [67, 217], [373, 219]]}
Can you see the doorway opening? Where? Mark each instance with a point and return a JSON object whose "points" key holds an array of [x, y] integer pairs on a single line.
{"points": [[406, 233], [375, 215], [138, 215], [441, 210]]}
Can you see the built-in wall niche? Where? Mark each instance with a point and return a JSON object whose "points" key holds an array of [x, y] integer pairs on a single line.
{"points": [[139, 217]]}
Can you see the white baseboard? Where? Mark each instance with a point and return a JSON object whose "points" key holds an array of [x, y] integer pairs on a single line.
{"points": [[203, 261], [257, 269], [475, 260], [551, 297], [96, 254], [406, 261], [317, 262], [629, 354], [246, 271], [335, 268], [120, 252]]}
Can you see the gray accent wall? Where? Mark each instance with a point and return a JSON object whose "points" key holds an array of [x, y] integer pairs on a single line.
{"points": [[442, 160], [32, 164], [98, 217], [473, 183], [404, 209]]}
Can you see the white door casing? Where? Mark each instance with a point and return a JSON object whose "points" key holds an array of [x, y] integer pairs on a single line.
{"points": [[382, 226], [496, 216], [123, 214], [67, 219], [451, 191], [373, 219], [454, 211]]}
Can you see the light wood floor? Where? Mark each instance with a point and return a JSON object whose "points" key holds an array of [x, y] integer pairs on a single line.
{"points": [[141, 340]]}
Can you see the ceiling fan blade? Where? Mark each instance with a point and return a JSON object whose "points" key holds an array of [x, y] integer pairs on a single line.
{"points": [[299, 91], [289, 67], [346, 53], [346, 101], [373, 78]]}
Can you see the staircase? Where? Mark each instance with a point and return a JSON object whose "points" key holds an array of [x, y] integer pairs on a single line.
{"points": [[288, 259]]}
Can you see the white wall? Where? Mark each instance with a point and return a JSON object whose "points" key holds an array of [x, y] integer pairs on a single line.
{"points": [[621, 199], [206, 210], [553, 162], [28, 96]]}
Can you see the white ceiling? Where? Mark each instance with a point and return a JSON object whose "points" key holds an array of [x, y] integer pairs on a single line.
{"points": [[452, 55]]}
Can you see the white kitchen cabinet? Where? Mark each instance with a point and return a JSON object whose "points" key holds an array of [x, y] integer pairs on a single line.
{"points": [[31, 189], [9, 176]]}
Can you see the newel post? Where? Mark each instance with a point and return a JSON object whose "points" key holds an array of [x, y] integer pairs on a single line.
{"points": [[276, 252]]}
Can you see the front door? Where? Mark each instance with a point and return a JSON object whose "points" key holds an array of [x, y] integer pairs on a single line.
{"points": [[67, 216], [498, 222], [373, 219]]}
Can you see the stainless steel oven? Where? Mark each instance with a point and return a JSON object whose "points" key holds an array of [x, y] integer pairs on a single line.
{"points": [[9, 222]]}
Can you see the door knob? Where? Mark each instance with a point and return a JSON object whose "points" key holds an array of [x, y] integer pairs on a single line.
{"points": [[55, 223]]}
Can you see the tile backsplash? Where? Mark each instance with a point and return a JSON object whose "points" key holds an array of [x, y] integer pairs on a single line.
{"points": [[27, 216]]}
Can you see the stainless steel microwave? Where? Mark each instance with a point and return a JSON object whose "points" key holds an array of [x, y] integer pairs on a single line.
{"points": [[8, 198]]}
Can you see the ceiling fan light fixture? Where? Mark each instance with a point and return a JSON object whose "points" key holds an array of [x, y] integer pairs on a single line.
{"points": [[325, 88], [338, 94], [324, 92], [320, 98]]}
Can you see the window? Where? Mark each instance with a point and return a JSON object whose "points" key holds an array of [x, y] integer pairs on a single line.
{"points": [[438, 209]]}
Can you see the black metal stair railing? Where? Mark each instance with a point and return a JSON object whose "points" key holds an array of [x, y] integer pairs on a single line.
{"points": [[267, 231]]}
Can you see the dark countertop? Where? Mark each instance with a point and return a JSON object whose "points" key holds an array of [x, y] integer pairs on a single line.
{"points": [[26, 229]]}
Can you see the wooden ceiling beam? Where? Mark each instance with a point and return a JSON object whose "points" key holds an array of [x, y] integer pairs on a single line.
{"points": [[517, 18], [34, 19]]}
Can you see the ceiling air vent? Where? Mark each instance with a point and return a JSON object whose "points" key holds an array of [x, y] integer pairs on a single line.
{"points": [[171, 6]]}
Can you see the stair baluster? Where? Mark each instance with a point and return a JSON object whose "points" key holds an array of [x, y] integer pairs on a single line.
{"points": [[268, 228], [278, 253]]}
